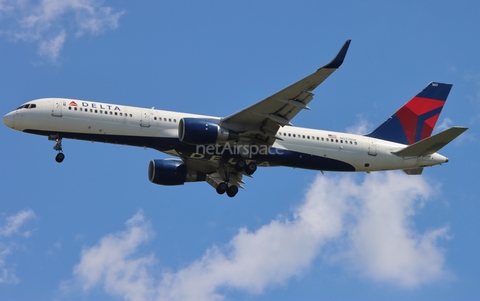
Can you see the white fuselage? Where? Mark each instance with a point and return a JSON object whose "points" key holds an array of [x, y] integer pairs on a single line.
{"points": [[127, 125]]}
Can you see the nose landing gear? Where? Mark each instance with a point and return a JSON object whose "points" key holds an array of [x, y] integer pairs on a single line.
{"points": [[58, 147]]}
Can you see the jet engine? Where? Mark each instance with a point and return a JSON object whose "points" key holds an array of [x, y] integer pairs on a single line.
{"points": [[203, 131], [172, 172]]}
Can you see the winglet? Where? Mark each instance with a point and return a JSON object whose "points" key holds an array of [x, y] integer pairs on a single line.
{"points": [[338, 59]]}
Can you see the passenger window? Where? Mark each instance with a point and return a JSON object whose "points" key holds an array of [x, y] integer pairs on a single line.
{"points": [[69, 108], [116, 114], [96, 111], [289, 135], [130, 115]]}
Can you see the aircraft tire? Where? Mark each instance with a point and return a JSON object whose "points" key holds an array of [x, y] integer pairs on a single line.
{"points": [[240, 165], [222, 187], [59, 157], [232, 191], [250, 168]]}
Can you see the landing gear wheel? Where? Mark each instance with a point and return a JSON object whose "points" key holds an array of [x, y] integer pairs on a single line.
{"points": [[240, 165], [232, 191], [250, 168], [59, 157], [222, 187], [58, 147]]}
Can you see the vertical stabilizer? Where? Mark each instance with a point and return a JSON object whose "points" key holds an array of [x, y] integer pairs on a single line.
{"points": [[417, 118]]}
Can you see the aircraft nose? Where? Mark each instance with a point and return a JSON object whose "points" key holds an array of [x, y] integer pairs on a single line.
{"points": [[9, 119]]}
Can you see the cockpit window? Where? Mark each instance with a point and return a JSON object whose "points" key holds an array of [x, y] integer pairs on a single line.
{"points": [[27, 106]]}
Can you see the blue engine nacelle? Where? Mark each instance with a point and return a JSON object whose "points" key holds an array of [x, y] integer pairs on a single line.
{"points": [[171, 172], [203, 131]]}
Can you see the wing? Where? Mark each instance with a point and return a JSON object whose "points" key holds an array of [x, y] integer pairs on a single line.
{"points": [[259, 123]]}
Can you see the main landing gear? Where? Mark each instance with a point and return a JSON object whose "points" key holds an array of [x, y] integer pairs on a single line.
{"points": [[228, 175], [58, 147], [231, 190], [249, 168]]}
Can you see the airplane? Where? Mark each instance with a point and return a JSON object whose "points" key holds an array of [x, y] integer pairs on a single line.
{"points": [[222, 150]]}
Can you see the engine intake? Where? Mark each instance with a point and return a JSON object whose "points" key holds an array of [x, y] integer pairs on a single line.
{"points": [[170, 172], [203, 131]]}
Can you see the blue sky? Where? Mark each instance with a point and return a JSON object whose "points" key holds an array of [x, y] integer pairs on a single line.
{"points": [[95, 228]]}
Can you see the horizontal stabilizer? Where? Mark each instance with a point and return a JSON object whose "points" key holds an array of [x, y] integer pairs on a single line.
{"points": [[431, 144]]}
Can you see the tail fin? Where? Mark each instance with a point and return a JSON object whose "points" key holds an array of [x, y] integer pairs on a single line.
{"points": [[417, 118]]}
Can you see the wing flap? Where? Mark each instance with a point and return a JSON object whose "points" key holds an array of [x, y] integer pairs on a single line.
{"points": [[431, 144]]}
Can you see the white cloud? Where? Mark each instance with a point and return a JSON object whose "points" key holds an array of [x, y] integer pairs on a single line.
{"points": [[48, 22], [446, 124], [110, 262], [7, 274], [385, 245], [13, 227], [361, 128], [51, 48], [15, 222], [372, 220]]}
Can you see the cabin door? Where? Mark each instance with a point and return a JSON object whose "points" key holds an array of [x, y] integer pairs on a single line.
{"points": [[145, 121], [57, 108]]}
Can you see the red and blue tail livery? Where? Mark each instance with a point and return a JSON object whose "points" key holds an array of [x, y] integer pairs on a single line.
{"points": [[417, 118]]}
